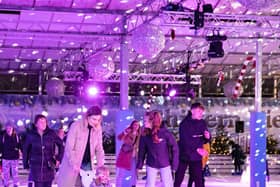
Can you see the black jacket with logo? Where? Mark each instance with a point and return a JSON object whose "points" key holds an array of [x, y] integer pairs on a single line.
{"points": [[191, 137]]}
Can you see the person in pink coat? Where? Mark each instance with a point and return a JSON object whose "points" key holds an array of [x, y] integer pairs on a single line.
{"points": [[127, 157], [83, 145]]}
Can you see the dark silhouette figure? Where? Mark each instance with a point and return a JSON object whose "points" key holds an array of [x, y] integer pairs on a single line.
{"points": [[238, 157]]}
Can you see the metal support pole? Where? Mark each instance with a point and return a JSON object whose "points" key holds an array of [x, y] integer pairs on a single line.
{"points": [[275, 92], [40, 80], [124, 69], [123, 116], [258, 129], [258, 78]]}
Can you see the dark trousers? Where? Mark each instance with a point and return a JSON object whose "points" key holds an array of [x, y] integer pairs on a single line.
{"points": [[237, 168], [195, 172], [32, 183], [191, 180], [40, 184]]}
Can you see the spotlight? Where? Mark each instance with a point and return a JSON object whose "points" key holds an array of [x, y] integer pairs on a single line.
{"points": [[216, 50], [92, 91], [199, 16], [20, 123], [172, 93], [45, 113], [207, 8], [198, 20], [216, 37], [173, 7], [142, 92], [216, 45]]}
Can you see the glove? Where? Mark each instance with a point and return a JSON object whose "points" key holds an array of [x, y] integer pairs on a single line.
{"points": [[202, 151]]}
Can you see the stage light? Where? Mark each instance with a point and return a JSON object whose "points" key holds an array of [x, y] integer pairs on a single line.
{"points": [[216, 49], [172, 92], [199, 16], [92, 91], [142, 92], [79, 110], [207, 8], [20, 123], [105, 112], [173, 7], [45, 113], [198, 20], [216, 45]]}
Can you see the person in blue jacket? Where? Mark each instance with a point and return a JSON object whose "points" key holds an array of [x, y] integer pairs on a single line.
{"points": [[39, 153], [193, 133], [161, 151]]}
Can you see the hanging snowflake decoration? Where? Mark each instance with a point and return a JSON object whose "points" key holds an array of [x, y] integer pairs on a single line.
{"points": [[100, 67], [148, 40], [55, 87]]}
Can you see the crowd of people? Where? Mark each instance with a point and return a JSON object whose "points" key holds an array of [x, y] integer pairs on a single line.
{"points": [[47, 154]]}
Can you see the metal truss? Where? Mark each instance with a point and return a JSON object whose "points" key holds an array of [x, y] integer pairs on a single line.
{"points": [[137, 78], [254, 23], [134, 18]]}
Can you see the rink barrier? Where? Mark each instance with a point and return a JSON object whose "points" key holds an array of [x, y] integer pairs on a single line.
{"points": [[218, 164]]}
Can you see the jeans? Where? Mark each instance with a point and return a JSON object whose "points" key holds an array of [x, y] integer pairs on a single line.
{"points": [[7, 166], [165, 174], [123, 173]]}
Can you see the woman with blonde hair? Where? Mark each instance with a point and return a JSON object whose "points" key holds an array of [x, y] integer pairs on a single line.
{"points": [[126, 160]]}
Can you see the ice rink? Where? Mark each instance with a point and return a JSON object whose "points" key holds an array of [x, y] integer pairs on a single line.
{"points": [[212, 181]]}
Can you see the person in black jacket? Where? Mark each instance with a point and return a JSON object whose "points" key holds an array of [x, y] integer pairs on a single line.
{"points": [[10, 150], [39, 154], [193, 133], [238, 157]]}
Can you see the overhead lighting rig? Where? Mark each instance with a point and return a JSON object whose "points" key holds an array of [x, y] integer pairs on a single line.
{"points": [[173, 7], [253, 23], [197, 20], [216, 45]]}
